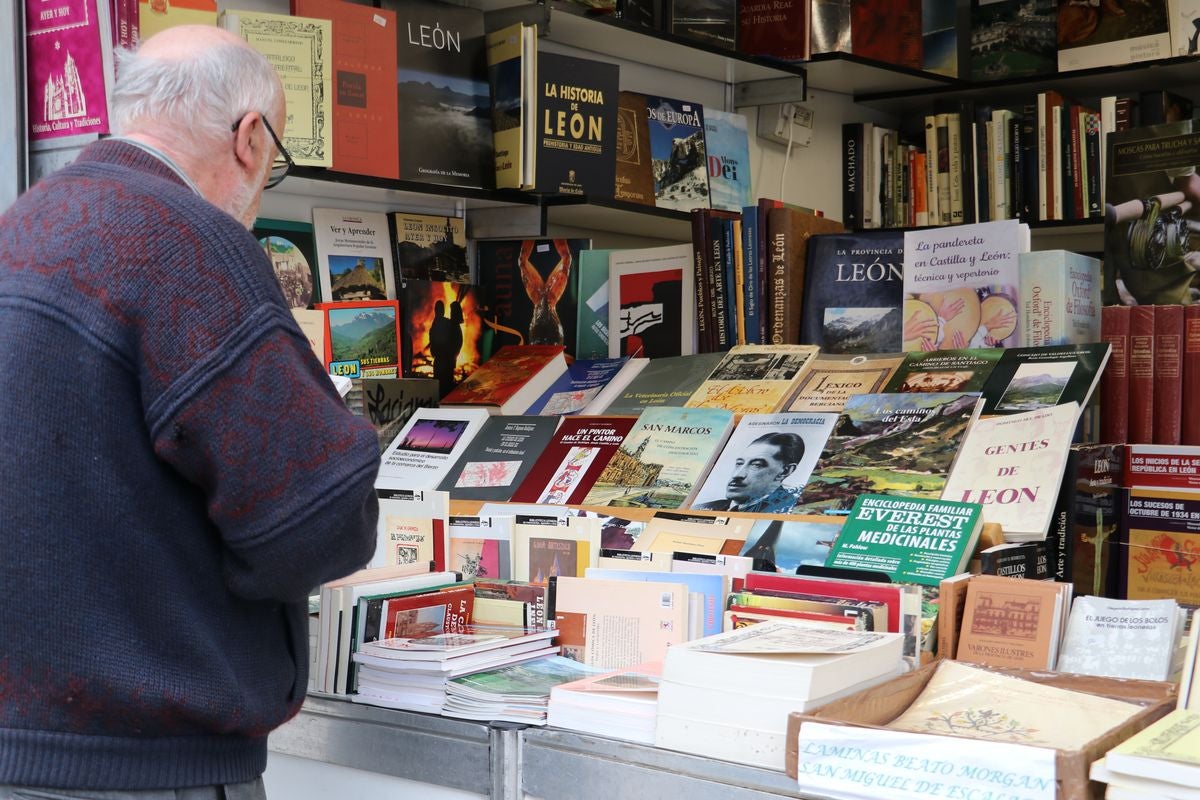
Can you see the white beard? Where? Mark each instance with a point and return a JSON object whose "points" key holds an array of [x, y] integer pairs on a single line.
{"points": [[244, 200]]}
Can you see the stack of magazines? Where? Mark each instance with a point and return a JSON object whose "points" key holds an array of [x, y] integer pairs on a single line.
{"points": [[413, 673], [516, 693]]}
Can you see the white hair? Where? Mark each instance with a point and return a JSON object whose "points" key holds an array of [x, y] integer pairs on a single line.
{"points": [[203, 94]]}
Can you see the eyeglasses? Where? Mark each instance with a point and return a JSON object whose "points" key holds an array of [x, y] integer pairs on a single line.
{"points": [[283, 160]]}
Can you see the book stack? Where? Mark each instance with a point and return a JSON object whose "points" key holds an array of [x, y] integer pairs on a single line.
{"points": [[620, 704], [728, 696], [412, 673], [515, 693], [1160, 762]]}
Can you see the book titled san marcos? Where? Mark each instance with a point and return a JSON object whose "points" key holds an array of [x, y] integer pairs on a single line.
{"points": [[678, 153], [1029, 378], [498, 458], [445, 134], [532, 289], [854, 292], [576, 145], [573, 460], [663, 458], [754, 378], [511, 380], [893, 444], [362, 339]]}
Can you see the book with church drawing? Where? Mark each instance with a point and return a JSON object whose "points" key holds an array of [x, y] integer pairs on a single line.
{"points": [[430, 247], [354, 255], [663, 458]]}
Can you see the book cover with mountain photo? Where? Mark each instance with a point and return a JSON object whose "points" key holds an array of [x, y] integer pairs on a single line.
{"points": [[445, 101], [1029, 378], [362, 338], [893, 444], [854, 292], [678, 155]]}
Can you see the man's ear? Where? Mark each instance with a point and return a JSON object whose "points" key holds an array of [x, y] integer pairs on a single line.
{"points": [[247, 140], [788, 469]]}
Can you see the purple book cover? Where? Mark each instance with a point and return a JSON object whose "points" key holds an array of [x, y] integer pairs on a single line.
{"points": [[65, 65]]}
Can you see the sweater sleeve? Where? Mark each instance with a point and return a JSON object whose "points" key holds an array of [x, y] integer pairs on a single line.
{"points": [[287, 471]]}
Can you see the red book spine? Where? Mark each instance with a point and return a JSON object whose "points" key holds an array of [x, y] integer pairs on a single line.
{"points": [[1114, 381], [1141, 374], [1168, 371], [1190, 432]]}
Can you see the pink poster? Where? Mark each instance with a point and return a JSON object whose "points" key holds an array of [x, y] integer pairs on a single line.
{"points": [[66, 68]]}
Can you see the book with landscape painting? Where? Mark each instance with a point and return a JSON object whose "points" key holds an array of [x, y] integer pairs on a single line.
{"points": [[894, 444], [354, 255], [362, 338], [1029, 378], [663, 458], [944, 370]]}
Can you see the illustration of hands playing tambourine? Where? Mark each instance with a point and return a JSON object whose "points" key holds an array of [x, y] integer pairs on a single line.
{"points": [[957, 319]]}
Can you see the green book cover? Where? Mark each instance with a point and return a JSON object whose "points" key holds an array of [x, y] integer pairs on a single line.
{"points": [[944, 371], [911, 539], [591, 336], [530, 679], [667, 381]]}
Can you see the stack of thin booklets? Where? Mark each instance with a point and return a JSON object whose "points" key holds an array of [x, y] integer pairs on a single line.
{"points": [[515, 693], [413, 673], [620, 704]]}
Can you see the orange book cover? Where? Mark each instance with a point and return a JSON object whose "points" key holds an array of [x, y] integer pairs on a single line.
{"points": [[364, 86], [1010, 622], [503, 375]]}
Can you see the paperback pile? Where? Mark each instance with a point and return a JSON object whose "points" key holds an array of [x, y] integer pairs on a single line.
{"points": [[414, 673], [728, 696], [515, 693], [619, 704], [1161, 761]]}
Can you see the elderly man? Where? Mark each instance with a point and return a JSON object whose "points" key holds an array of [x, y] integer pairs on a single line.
{"points": [[757, 480], [178, 472]]}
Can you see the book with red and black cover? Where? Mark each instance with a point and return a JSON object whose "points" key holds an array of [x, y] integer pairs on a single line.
{"points": [[774, 29], [444, 335], [1168, 374], [1114, 381], [532, 289], [887, 30], [511, 380], [788, 232], [1141, 374], [576, 455], [1190, 433], [364, 85], [498, 458]]}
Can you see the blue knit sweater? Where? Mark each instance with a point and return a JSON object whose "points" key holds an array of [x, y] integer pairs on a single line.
{"points": [[176, 474]]}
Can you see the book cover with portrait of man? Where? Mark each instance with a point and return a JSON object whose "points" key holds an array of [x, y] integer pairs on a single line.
{"points": [[765, 463]]}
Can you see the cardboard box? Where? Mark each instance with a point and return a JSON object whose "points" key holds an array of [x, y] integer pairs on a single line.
{"points": [[876, 707]]}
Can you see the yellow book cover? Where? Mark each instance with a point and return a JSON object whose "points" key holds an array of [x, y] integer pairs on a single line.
{"points": [[754, 379], [300, 49], [1168, 750]]}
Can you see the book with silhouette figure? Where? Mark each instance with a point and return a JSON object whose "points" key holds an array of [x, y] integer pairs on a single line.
{"points": [[443, 333], [532, 289]]}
